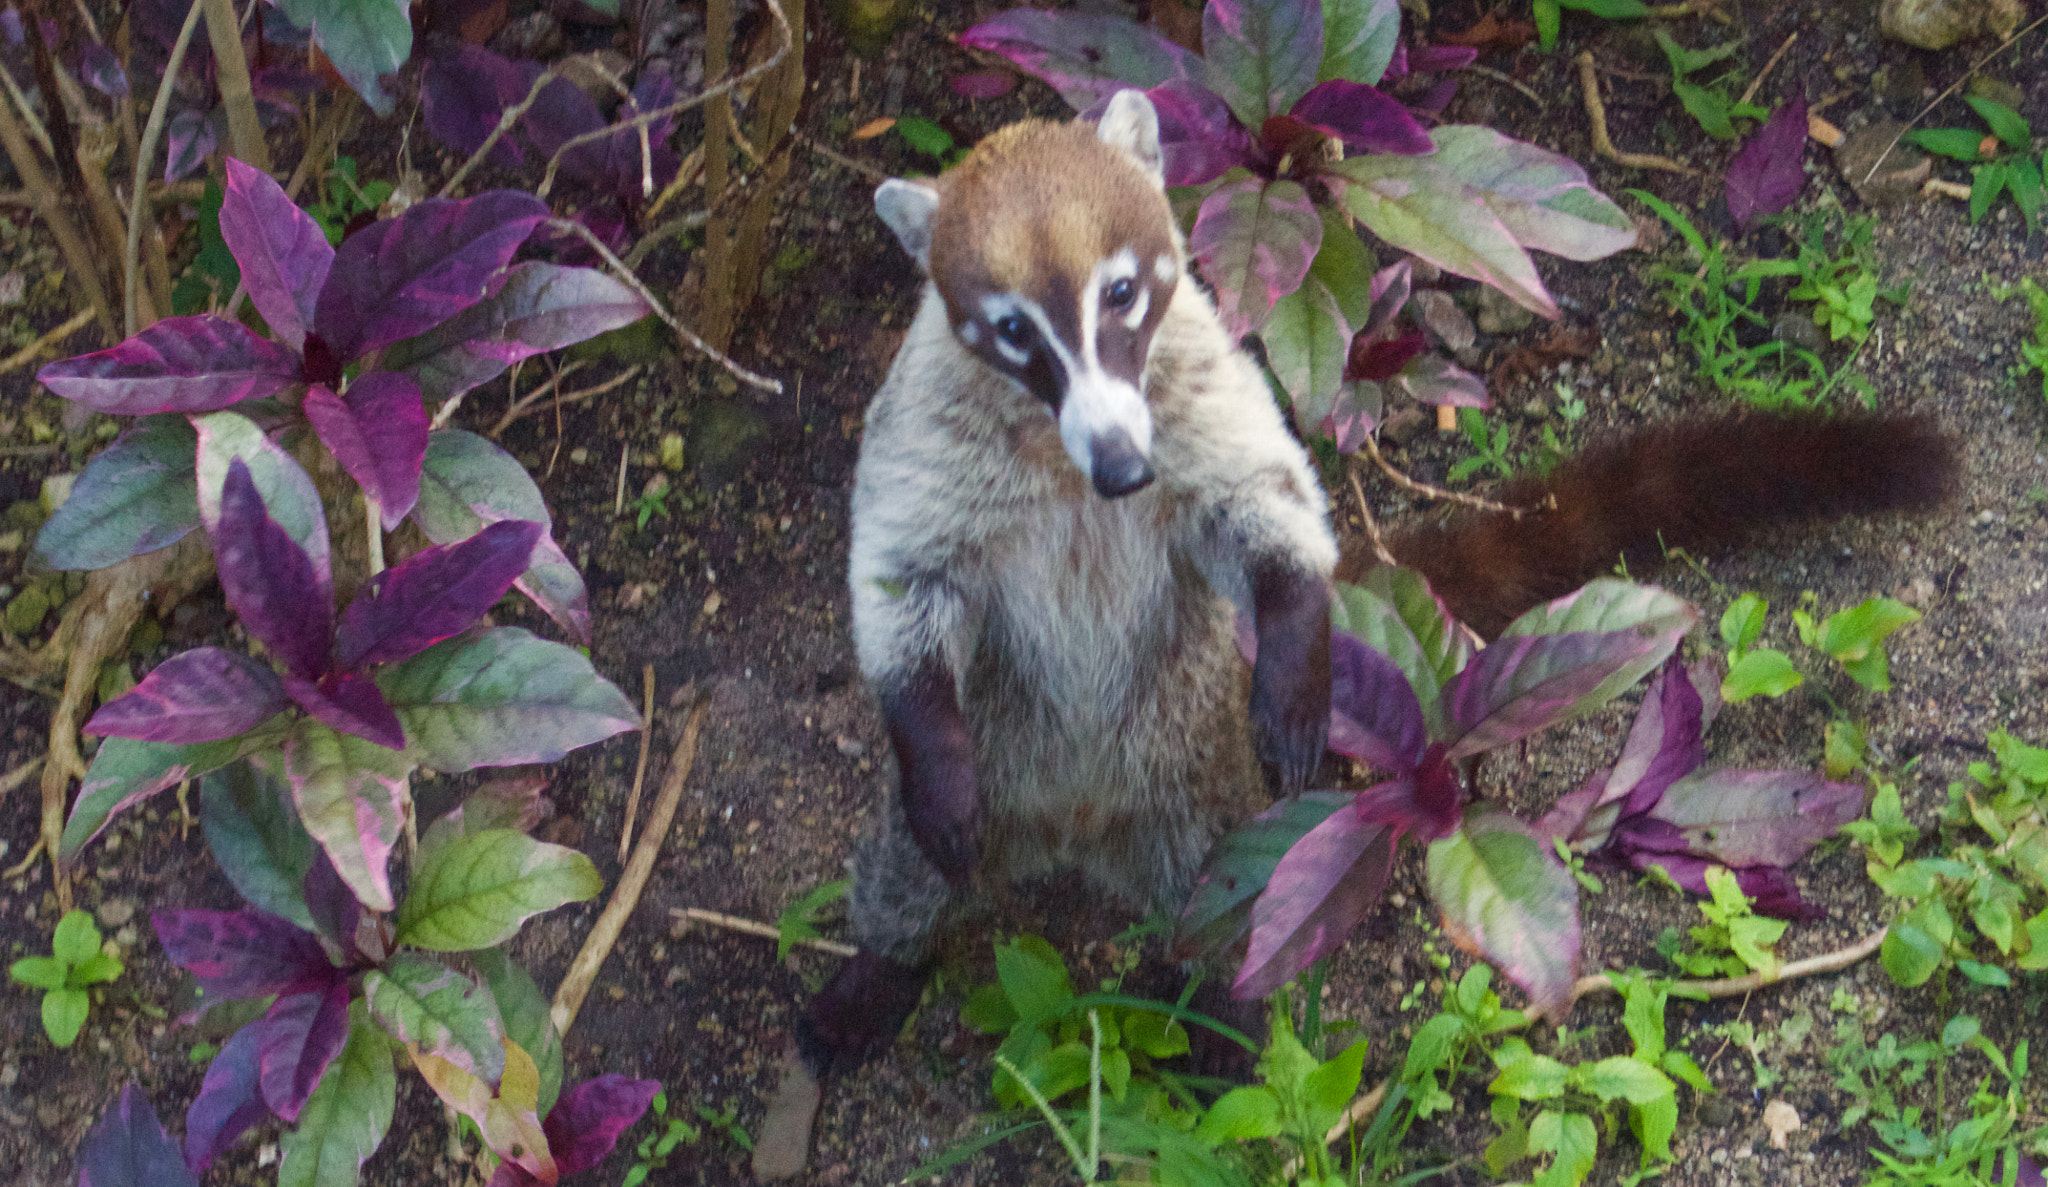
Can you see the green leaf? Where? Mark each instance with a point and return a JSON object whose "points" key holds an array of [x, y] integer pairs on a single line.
{"points": [[1156, 1035], [1765, 671], [77, 938], [1547, 20], [97, 969], [467, 481], [2006, 124], [365, 39], [1240, 865], [1742, 624], [64, 1013], [1572, 1139], [1545, 200], [1359, 39], [1613, 10], [1623, 1077], [287, 490], [1432, 1047], [1345, 266], [1856, 636], [253, 829], [1307, 343], [1986, 183], [1255, 239], [137, 495], [501, 697], [345, 1119], [925, 136], [1417, 206], [1526, 1075], [1916, 944], [1246, 1112], [1959, 143], [476, 891], [1034, 978], [437, 1010], [1843, 748], [1708, 106], [1654, 1123], [527, 1018], [1503, 897], [1328, 1089], [39, 972], [351, 795], [2025, 182], [126, 772]]}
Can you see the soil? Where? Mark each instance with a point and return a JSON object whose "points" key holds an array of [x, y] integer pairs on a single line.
{"points": [[738, 591]]}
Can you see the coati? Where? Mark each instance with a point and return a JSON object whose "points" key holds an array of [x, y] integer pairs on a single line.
{"points": [[1071, 479]]}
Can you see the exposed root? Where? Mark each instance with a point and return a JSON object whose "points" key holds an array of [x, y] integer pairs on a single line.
{"points": [[1596, 112]]}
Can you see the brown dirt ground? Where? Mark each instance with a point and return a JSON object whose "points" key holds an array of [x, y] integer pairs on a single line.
{"points": [[740, 591]]}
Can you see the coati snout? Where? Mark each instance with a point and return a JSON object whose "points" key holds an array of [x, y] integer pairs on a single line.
{"points": [[1066, 276]]}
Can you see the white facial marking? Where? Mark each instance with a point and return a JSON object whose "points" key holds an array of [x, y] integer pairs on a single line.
{"points": [[995, 307], [1135, 316], [970, 332], [1163, 269], [1098, 403]]}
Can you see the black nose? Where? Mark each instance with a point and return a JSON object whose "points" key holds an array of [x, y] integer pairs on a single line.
{"points": [[1117, 466]]}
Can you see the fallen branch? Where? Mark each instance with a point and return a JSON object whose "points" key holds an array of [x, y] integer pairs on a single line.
{"points": [[1596, 112], [640, 768], [604, 933], [19, 775], [526, 402], [1372, 449], [750, 927], [48, 342]]}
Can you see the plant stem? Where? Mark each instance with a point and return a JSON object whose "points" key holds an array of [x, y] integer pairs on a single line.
{"points": [[374, 535], [245, 131], [79, 259], [151, 130]]}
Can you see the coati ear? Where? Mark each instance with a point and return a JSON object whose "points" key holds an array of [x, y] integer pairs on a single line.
{"points": [[1131, 123], [908, 209]]}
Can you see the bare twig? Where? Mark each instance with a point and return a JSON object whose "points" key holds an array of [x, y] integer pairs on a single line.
{"points": [[640, 768], [79, 258], [619, 499], [1947, 189], [626, 895], [245, 131], [19, 775], [660, 234], [840, 159], [48, 342], [151, 130], [1951, 89], [1372, 525], [1749, 92], [750, 927], [506, 121], [1508, 80], [526, 403], [626, 277], [1596, 113], [645, 118], [1372, 450]]}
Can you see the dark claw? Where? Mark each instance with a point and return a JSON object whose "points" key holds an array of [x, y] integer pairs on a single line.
{"points": [[1291, 680], [859, 1012]]}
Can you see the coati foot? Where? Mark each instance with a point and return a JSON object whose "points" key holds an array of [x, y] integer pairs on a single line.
{"points": [[859, 1012], [1291, 678], [946, 824], [1211, 1054]]}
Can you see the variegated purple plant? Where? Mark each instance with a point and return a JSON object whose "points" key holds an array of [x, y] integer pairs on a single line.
{"points": [[420, 307], [1411, 697], [1262, 126]]}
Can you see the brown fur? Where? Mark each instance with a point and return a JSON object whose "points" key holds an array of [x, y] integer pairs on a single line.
{"points": [[1691, 484]]}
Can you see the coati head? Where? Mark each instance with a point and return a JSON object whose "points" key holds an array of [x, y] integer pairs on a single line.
{"points": [[1055, 251]]}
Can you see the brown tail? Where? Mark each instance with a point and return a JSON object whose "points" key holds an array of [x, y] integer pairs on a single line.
{"points": [[1688, 484]]}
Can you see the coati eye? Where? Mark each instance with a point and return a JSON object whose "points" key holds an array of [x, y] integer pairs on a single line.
{"points": [[1014, 330], [1120, 294]]}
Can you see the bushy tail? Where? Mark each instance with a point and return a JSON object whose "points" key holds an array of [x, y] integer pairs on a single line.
{"points": [[1688, 484]]}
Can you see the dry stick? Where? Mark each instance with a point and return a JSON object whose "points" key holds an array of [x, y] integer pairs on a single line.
{"points": [[540, 393], [1826, 962], [625, 276], [1596, 112], [34, 125], [151, 130], [639, 769], [79, 259], [666, 231], [1372, 525], [748, 926], [626, 895], [48, 341], [1947, 189], [512, 385], [1749, 92], [19, 775], [619, 499], [647, 117], [1372, 449], [1508, 80], [511, 116], [841, 159], [245, 131], [1950, 90]]}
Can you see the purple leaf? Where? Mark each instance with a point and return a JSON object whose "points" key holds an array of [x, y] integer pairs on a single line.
{"points": [[1429, 59], [467, 92], [1239, 867], [1666, 742], [333, 906], [378, 432], [129, 1148], [436, 593], [1748, 818], [1775, 893], [283, 253], [1433, 379], [1391, 287], [1767, 175], [237, 954], [1544, 199], [192, 137], [1197, 134], [1354, 412], [180, 364], [587, 1121], [1256, 240], [539, 307], [468, 482], [1084, 56], [406, 275], [137, 495], [125, 772], [1428, 801], [229, 1102], [1374, 715], [1567, 818], [350, 794], [1318, 892], [202, 695], [269, 580], [349, 702], [302, 1034], [1262, 54], [1507, 899], [1363, 118], [102, 71], [1523, 684], [987, 84], [1376, 360]]}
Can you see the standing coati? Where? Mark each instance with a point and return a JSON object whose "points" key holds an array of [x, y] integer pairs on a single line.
{"points": [[1070, 481]]}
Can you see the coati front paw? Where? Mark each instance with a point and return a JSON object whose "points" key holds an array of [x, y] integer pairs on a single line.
{"points": [[1291, 678], [1293, 727], [859, 1012], [943, 807]]}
